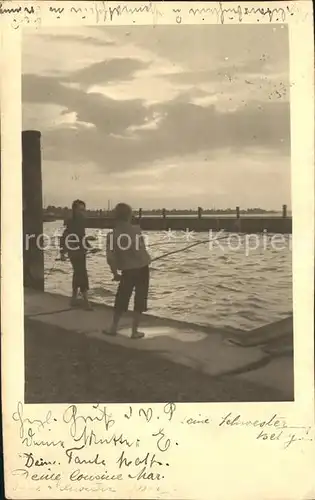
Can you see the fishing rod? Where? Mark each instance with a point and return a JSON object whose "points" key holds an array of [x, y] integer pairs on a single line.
{"points": [[169, 242], [199, 242]]}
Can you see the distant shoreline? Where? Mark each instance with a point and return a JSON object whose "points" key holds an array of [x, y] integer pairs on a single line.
{"points": [[50, 215], [53, 217]]}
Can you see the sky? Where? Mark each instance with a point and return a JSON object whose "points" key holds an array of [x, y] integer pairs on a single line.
{"points": [[164, 116]]}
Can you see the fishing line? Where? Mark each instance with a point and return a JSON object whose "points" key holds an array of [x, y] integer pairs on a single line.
{"points": [[166, 243], [169, 242]]}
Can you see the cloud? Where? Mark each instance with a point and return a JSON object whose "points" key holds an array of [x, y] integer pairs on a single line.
{"points": [[64, 50], [226, 70], [108, 115], [112, 70], [80, 38], [197, 47], [162, 131], [230, 86]]}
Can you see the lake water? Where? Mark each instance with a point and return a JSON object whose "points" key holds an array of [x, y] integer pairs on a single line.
{"points": [[233, 282]]}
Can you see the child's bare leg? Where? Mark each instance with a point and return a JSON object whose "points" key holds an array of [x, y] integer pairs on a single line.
{"points": [[121, 303], [116, 318], [87, 304], [135, 325], [140, 304], [75, 286], [74, 297]]}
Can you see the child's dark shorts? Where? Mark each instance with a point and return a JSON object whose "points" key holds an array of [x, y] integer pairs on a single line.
{"points": [[133, 279]]}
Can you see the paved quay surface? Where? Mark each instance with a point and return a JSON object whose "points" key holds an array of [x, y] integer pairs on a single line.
{"points": [[204, 350]]}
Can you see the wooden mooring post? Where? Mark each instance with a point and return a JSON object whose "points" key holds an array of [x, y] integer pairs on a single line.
{"points": [[199, 212], [33, 237], [284, 211]]}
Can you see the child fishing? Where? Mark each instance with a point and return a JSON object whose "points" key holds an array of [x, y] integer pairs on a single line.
{"points": [[75, 244], [129, 262]]}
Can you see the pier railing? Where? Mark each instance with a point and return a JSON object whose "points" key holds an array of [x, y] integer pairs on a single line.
{"points": [[200, 222]]}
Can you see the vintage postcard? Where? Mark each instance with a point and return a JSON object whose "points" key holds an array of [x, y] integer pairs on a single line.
{"points": [[157, 282]]}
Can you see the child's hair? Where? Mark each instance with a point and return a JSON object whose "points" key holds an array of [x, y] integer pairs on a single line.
{"points": [[123, 212], [76, 203]]}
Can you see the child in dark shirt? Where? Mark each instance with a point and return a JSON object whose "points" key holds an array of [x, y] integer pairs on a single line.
{"points": [[75, 244]]}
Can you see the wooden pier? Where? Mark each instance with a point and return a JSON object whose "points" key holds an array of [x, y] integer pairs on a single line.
{"points": [[245, 224], [263, 374]]}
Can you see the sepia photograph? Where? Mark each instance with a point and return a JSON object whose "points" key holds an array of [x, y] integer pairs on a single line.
{"points": [[157, 215], [157, 250]]}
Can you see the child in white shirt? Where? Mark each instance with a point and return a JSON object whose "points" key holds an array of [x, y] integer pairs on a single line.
{"points": [[126, 252]]}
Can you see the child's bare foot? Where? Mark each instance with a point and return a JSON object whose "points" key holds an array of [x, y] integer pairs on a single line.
{"points": [[88, 306], [74, 302], [137, 335], [111, 332]]}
